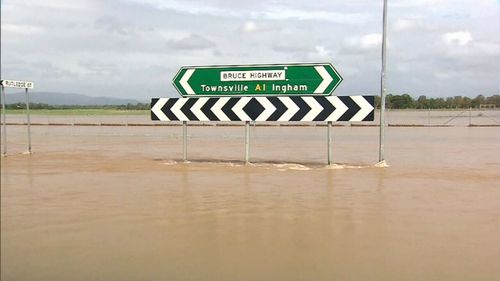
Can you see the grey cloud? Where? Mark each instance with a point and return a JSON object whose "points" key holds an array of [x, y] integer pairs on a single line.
{"points": [[191, 42], [292, 47], [47, 70], [120, 27], [99, 68]]}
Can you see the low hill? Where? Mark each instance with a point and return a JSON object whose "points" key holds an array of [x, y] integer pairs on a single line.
{"points": [[53, 98]]}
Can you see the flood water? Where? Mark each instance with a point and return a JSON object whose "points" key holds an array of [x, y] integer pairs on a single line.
{"points": [[118, 203]]}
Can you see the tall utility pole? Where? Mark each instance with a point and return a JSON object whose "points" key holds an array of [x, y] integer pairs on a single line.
{"points": [[381, 156], [4, 127]]}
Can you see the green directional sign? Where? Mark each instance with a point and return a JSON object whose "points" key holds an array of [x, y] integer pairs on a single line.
{"points": [[253, 80]]}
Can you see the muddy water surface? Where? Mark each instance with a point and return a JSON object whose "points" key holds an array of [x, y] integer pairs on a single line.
{"points": [[117, 203]]}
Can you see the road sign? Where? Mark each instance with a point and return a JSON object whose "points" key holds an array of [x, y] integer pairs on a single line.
{"points": [[289, 108], [257, 80], [18, 84]]}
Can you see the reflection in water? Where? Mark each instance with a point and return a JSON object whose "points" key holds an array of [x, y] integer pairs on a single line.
{"points": [[92, 206]]}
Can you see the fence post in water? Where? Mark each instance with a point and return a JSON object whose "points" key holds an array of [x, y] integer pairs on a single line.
{"points": [[470, 116], [28, 121], [4, 125], [184, 140], [247, 141], [429, 117], [329, 141]]}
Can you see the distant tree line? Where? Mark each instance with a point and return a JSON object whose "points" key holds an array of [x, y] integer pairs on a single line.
{"points": [[393, 101], [129, 106], [422, 102]]}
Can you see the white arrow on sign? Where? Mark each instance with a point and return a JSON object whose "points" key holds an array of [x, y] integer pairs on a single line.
{"points": [[316, 108], [196, 109], [366, 108], [157, 110], [268, 108], [184, 81], [292, 108], [176, 109], [340, 109], [217, 109], [238, 109], [327, 79]]}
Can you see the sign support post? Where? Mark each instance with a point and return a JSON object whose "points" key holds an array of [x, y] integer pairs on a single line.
{"points": [[329, 141], [381, 157], [247, 141], [28, 119], [184, 141], [4, 124]]}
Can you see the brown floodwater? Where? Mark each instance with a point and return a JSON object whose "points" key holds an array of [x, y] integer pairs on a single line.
{"points": [[118, 203]]}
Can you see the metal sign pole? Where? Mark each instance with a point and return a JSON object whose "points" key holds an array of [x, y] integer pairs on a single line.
{"points": [[329, 141], [4, 124], [247, 141], [381, 156], [28, 119], [184, 140]]}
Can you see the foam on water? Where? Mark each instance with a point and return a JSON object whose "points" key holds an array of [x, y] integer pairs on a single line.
{"points": [[270, 166], [382, 164], [277, 166], [290, 166], [345, 166], [170, 162]]}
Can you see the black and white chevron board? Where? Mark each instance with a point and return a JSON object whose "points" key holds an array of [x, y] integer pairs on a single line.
{"points": [[281, 109]]}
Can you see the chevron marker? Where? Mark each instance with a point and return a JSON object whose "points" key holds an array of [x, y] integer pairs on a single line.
{"points": [[268, 108], [176, 109], [365, 108], [217, 109], [316, 108], [196, 109], [156, 109], [292, 108], [238, 109], [281, 109], [340, 109]]}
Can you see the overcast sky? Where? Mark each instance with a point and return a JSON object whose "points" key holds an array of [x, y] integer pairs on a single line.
{"points": [[133, 48]]}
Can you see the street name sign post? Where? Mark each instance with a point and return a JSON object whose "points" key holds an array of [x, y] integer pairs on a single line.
{"points": [[257, 80], [20, 85]]}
